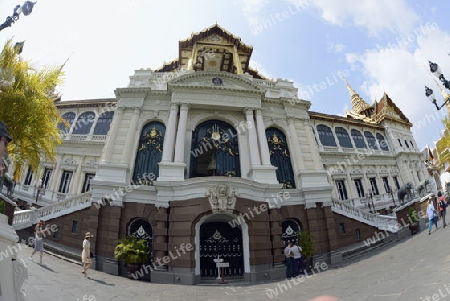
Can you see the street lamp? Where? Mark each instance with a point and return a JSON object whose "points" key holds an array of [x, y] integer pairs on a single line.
{"points": [[391, 191], [436, 71], [25, 9], [370, 195]]}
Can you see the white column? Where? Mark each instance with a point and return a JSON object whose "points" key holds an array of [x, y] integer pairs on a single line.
{"points": [[113, 135], [76, 177], [130, 137], [298, 158], [263, 145], [169, 138], [253, 141], [181, 134]]}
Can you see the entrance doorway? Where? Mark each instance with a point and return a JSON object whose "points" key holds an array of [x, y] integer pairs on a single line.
{"points": [[219, 239]]}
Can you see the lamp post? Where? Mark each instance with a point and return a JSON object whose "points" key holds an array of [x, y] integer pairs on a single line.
{"points": [[24, 9], [436, 71], [391, 192], [370, 195]]}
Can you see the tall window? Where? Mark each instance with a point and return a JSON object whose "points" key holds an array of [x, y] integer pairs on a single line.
{"points": [[382, 142], [359, 188], [358, 139], [370, 140], [343, 137], [65, 181], [29, 177], [87, 182], [69, 117], [103, 123], [373, 185], [84, 123], [280, 157], [149, 153], [326, 135], [397, 185], [342, 191], [385, 184], [46, 178]]}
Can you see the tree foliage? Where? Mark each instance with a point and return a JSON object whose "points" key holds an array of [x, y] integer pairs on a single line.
{"points": [[28, 110], [443, 144]]}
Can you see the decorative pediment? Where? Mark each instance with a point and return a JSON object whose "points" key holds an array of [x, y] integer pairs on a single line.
{"points": [[222, 198], [215, 80]]}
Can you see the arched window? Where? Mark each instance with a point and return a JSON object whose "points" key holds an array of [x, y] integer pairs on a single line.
{"points": [[343, 137], [382, 142], [84, 123], [370, 140], [149, 153], [280, 157], [69, 117], [326, 135], [358, 139], [103, 123], [215, 150]]}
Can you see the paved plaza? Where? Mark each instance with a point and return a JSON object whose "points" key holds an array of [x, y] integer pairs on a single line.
{"points": [[416, 268]]}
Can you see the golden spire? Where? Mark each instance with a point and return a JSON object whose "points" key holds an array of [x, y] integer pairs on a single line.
{"points": [[358, 104]]}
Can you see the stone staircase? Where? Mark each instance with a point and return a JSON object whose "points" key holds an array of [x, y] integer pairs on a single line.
{"points": [[26, 218]]}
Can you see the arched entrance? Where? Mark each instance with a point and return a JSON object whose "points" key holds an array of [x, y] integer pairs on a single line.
{"points": [[215, 237]]}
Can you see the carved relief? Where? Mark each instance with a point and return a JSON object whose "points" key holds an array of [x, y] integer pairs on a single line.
{"points": [[222, 198]]}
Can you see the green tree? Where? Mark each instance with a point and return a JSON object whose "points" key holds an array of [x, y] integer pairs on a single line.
{"points": [[28, 110], [443, 144]]}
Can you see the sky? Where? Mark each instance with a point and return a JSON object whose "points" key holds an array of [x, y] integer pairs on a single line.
{"points": [[379, 46]]}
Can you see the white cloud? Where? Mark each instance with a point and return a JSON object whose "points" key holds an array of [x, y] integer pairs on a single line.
{"points": [[402, 74], [375, 16]]}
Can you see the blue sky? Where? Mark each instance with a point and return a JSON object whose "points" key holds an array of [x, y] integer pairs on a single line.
{"points": [[381, 46]]}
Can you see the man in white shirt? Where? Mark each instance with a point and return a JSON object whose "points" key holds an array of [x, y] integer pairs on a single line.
{"points": [[289, 260]]}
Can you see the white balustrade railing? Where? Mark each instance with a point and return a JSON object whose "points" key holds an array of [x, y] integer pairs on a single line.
{"points": [[25, 218], [382, 222]]}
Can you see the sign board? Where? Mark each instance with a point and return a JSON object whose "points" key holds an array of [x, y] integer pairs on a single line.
{"points": [[223, 264]]}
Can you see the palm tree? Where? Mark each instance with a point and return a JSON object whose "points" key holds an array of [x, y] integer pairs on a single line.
{"points": [[28, 110]]}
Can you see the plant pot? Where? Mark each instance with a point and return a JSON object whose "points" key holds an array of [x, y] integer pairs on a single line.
{"points": [[132, 268], [414, 228]]}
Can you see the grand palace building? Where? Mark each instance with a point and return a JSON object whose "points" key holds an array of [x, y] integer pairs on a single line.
{"points": [[206, 152]]}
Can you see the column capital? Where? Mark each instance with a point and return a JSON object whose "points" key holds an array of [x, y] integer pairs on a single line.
{"points": [[184, 107], [248, 111]]}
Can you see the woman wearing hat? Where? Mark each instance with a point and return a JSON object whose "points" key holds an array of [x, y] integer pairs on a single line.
{"points": [[39, 240], [86, 254]]}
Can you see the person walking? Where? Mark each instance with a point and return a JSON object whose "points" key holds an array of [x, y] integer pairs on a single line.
{"points": [[86, 254], [432, 216], [289, 260], [39, 240], [442, 207]]}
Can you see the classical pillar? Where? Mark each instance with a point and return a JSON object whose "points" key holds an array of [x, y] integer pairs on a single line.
{"points": [[263, 145], [298, 158], [113, 135], [169, 138], [253, 141], [181, 134], [130, 137], [76, 177], [56, 174]]}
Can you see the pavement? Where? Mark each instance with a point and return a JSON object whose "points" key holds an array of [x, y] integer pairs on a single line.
{"points": [[416, 268]]}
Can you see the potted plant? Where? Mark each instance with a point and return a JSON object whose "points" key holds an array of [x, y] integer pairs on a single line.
{"points": [[413, 220], [133, 252], [306, 242]]}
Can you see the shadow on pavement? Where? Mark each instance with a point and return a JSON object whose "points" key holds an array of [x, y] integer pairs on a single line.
{"points": [[45, 267], [102, 282]]}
